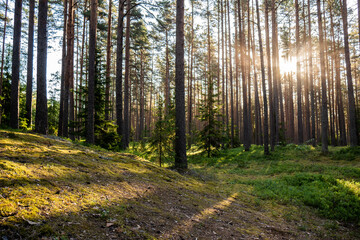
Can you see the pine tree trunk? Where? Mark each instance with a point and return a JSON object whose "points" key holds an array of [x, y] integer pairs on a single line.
{"points": [[226, 71], [352, 110], [298, 77], [62, 115], [258, 130], [41, 117], [69, 76], [3, 57], [127, 78], [167, 73], [15, 80], [339, 98], [311, 79], [190, 100], [82, 65], [275, 65], [329, 79], [29, 76], [108, 65], [237, 69], [306, 81], [246, 130], [142, 100], [180, 139], [248, 71], [269, 71], [266, 121], [119, 69], [90, 136], [231, 80], [324, 114], [223, 62]]}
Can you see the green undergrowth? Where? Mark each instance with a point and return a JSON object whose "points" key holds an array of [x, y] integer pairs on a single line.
{"points": [[298, 175]]}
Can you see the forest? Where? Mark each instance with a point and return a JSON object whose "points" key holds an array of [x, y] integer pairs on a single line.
{"points": [[107, 107]]}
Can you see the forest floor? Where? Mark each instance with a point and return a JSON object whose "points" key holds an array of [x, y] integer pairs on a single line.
{"points": [[54, 189]]}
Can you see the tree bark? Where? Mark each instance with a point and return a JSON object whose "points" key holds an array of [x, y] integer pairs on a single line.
{"points": [[180, 140], [3, 56], [119, 69], [246, 130], [108, 65], [298, 76], [351, 99], [90, 136], [311, 79], [324, 114], [29, 76], [231, 79], [15, 81], [41, 117], [269, 72], [127, 77], [63, 71], [266, 121]]}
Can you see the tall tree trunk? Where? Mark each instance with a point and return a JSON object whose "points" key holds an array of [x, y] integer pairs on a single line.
{"points": [[3, 56], [127, 77], [108, 64], [324, 114], [226, 71], [298, 77], [119, 69], [62, 115], [311, 79], [231, 79], [142, 100], [248, 71], [276, 70], [237, 109], [69, 75], [41, 117], [222, 62], [84, 34], [190, 100], [266, 121], [90, 136], [352, 110], [329, 80], [269, 71], [15, 81], [291, 108], [246, 130], [29, 76], [180, 139], [358, 5], [306, 80], [167, 74], [339, 98], [258, 127]]}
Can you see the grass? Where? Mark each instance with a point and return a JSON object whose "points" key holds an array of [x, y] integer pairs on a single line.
{"points": [[54, 189], [294, 175]]}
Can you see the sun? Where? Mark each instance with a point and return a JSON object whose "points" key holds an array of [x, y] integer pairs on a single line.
{"points": [[287, 66]]}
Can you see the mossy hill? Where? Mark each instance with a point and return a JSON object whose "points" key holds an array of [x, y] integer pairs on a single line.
{"points": [[51, 188]]}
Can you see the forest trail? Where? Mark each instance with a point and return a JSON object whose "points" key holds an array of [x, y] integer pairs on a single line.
{"points": [[55, 189]]}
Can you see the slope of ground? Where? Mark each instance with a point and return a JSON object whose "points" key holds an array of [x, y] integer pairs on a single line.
{"points": [[54, 189]]}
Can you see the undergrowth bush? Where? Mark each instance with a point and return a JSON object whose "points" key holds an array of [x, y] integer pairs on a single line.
{"points": [[334, 199], [348, 153]]}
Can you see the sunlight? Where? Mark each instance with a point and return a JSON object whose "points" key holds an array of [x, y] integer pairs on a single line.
{"points": [[287, 66], [185, 225]]}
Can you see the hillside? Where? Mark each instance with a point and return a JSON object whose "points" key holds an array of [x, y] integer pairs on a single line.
{"points": [[54, 189]]}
